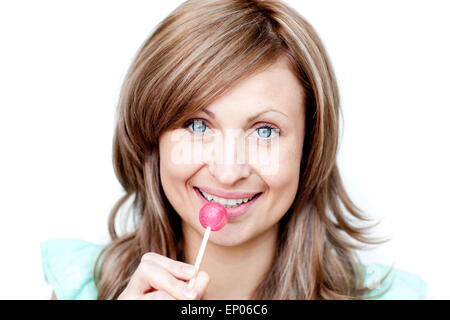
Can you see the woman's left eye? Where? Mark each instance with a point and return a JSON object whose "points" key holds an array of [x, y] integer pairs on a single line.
{"points": [[267, 131]]}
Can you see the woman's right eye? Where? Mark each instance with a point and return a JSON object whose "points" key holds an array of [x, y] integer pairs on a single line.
{"points": [[197, 126]]}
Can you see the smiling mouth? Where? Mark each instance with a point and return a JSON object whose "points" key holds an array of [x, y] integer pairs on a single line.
{"points": [[227, 203]]}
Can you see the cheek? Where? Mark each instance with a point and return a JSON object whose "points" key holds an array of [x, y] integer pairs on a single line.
{"points": [[283, 183], [175, 155], [285, 180], [284, 166], [173, 172]]}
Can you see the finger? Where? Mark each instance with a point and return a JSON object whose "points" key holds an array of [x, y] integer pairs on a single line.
{"points": [[157, 295], [201, 283], [151, 275], [179, 269]]}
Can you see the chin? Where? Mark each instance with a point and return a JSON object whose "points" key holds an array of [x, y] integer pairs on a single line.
{"points": [[227, 237], [226, 242]]}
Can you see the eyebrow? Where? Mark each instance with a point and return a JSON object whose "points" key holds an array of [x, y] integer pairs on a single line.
{"points": [[250, 119]]}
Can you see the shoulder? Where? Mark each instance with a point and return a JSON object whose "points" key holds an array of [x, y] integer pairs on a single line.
{"points": [[68, 266], [399, 284]]}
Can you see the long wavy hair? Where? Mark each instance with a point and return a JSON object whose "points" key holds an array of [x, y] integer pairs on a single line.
{"points": [[192, 57]]}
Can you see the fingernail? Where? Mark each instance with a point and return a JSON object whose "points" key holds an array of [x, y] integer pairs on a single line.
{"points": [[189, 293], [189, 270]]}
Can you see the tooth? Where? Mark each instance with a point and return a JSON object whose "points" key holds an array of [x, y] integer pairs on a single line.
{"points": [[221, 201], [209, 197], [224, 202]]}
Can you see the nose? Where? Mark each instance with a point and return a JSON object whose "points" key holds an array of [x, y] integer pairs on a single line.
{"points": [[229, 174], [229, 165]]}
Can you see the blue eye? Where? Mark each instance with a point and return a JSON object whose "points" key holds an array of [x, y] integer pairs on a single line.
{"points": [[197, 126], [267, 132], [264, 132]]}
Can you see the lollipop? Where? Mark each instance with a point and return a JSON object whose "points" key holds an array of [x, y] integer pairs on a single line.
{"points": [[213, 216]]}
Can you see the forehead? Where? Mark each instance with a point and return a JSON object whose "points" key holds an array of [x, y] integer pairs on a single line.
{"points": [[275, 86]]}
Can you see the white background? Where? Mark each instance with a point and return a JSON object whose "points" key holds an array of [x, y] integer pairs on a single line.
{"points": [[62, 64]]}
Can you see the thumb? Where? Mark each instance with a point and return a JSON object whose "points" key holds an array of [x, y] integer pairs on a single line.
{"points": [[201, 283]]}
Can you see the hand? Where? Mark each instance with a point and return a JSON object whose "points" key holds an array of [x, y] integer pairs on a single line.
{"points": [[160, 278]]}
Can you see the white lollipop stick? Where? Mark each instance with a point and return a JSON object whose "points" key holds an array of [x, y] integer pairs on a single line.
{"points": [[200, 253]]}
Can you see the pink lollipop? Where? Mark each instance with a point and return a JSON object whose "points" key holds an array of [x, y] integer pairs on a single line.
{"points": [[213, 216]]}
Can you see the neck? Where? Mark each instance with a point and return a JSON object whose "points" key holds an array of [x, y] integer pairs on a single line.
{"points": [[234, 271]]}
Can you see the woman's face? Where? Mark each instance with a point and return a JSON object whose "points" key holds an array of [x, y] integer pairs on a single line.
{"points": [[247, 143]]}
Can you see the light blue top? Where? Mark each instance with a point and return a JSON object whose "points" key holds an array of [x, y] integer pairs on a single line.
{"points": [[68, 267]]}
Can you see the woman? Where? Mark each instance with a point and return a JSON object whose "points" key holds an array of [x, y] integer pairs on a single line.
{"points": [[216, 81]]}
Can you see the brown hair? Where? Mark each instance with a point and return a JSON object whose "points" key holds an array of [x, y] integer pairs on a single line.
{"points": [[193, 56]]}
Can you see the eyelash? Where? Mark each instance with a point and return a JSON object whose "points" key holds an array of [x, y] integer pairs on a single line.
{"points": [[263, 125]]}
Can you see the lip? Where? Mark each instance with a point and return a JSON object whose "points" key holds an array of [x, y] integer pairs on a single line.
{"points": [[227, 195], [232, 212]]}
